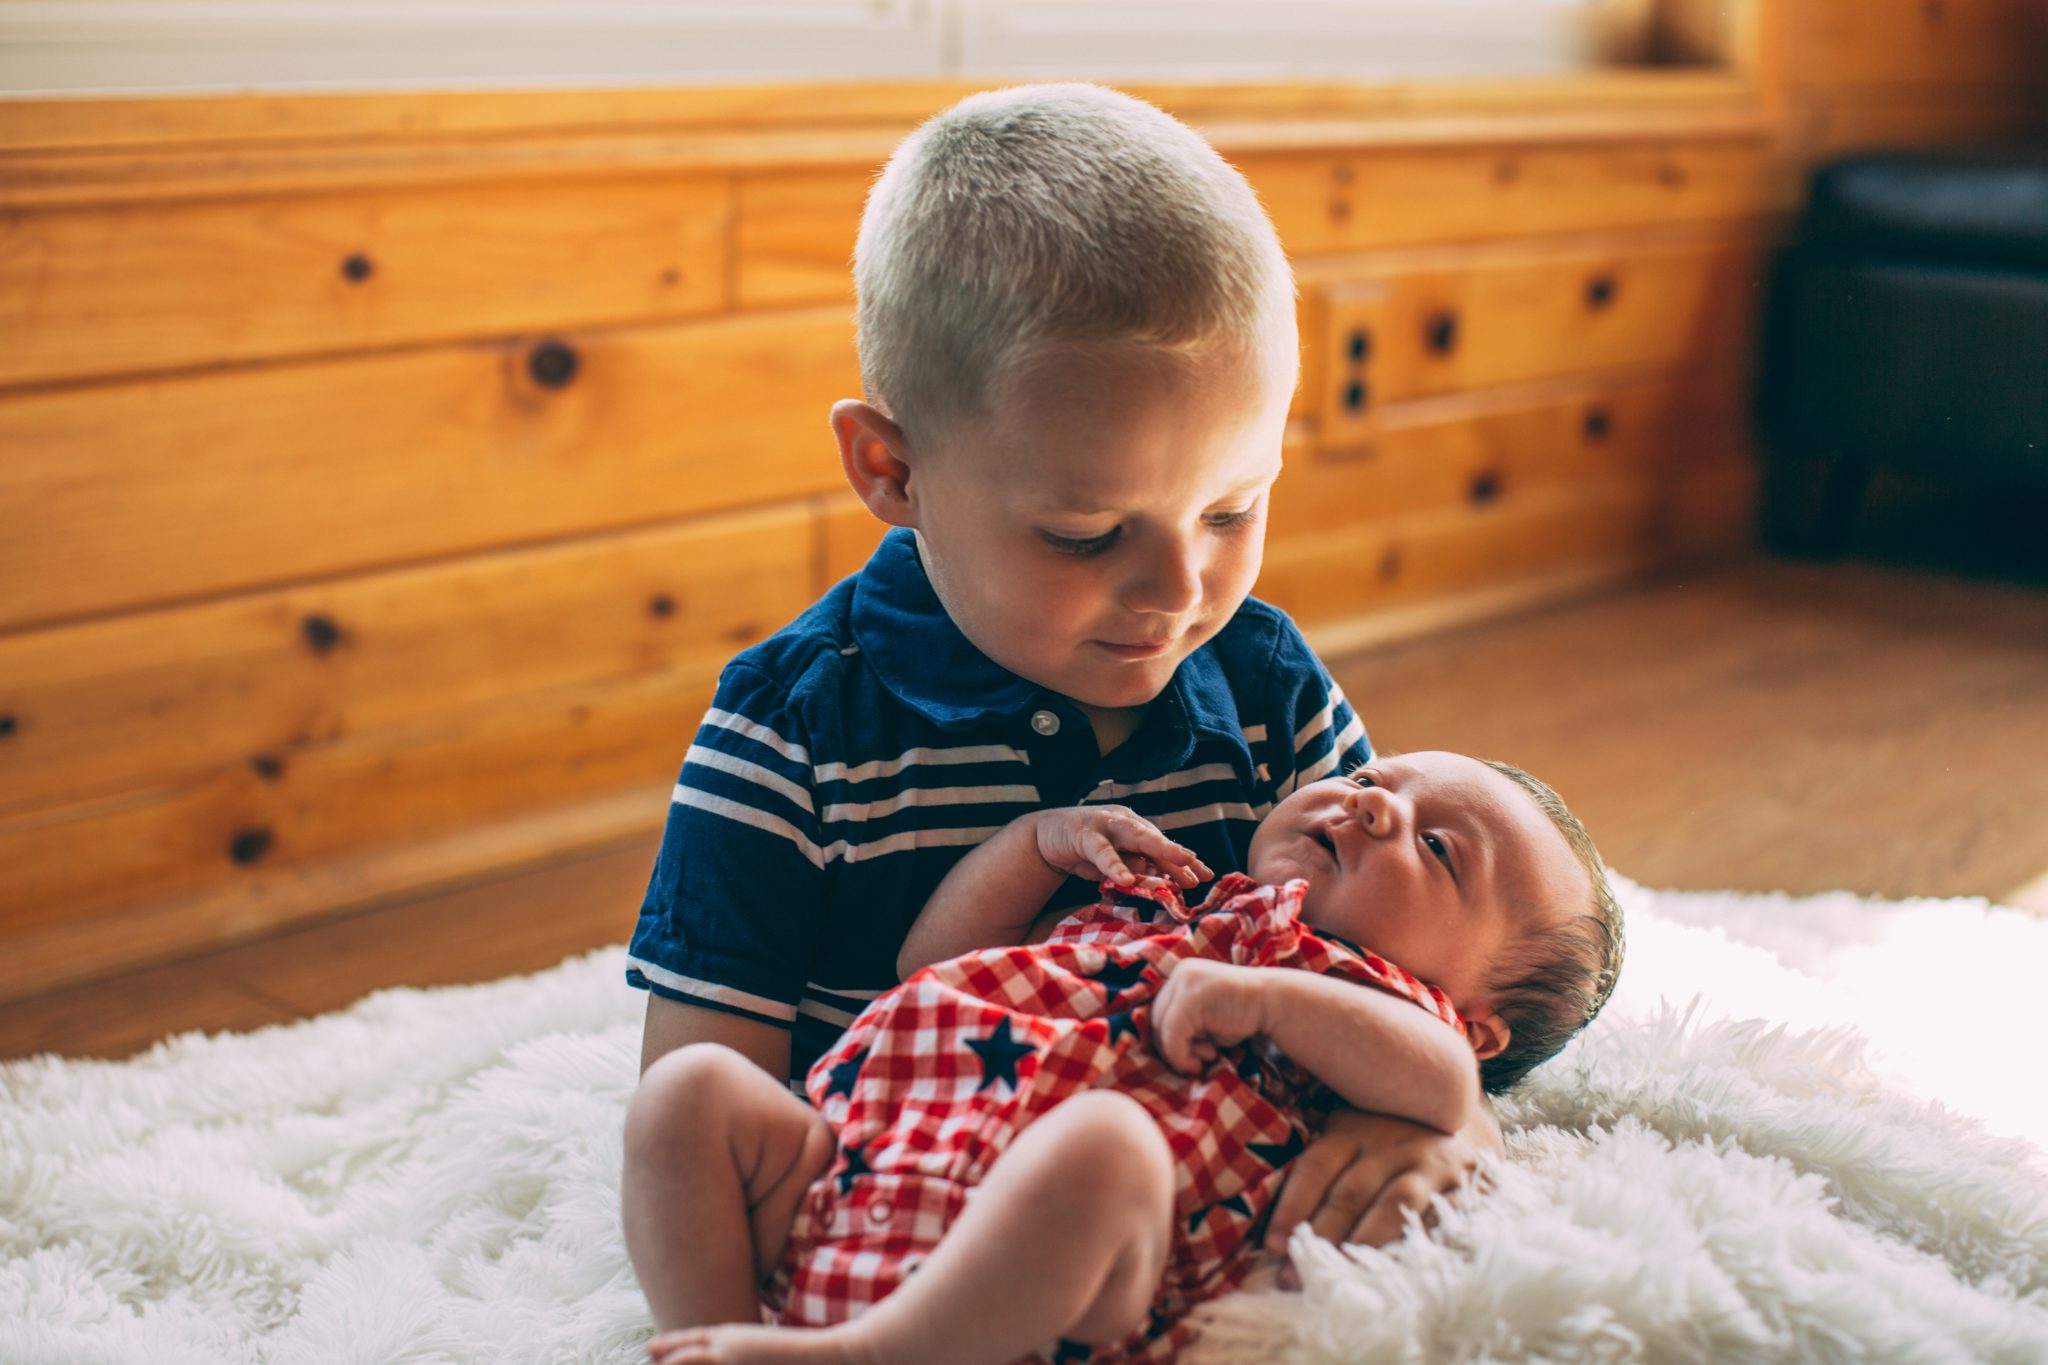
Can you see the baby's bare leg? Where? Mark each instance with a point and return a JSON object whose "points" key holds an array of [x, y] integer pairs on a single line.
{"points": [[717, 1155], [1067, 1237]]}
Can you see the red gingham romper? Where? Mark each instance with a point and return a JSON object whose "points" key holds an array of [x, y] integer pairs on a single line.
{"points": [[938, 1076]]}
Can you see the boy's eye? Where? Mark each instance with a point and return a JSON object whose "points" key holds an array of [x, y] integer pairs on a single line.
{"points": [[1364, 778], [1090, 545], [1436, 846], [1223, 521]]}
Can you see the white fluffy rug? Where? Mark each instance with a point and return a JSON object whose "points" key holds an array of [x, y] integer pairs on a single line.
{"points": [[1760, 1152]]}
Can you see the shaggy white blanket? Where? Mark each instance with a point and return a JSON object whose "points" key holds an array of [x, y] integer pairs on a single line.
{"points": [[1760, 1152]]}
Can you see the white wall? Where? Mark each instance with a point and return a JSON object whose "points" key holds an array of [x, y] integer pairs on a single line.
{"points": [[214, 45]]}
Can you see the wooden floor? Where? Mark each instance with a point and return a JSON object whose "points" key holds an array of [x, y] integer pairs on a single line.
{"points": [[1762, 725]]}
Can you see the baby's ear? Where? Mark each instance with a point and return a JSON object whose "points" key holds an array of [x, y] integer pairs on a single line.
{"points": [[1488, 1035]]}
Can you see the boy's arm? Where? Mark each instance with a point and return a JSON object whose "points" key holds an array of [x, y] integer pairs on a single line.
{"points": [[1376, 1050], [994, 894], [736, 900], [990, 897]]}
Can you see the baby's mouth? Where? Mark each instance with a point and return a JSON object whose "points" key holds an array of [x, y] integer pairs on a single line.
{"points": [[1322, 836]]}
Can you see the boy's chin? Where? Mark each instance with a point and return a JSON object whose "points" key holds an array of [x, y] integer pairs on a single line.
{"points": [[1138, 688]]}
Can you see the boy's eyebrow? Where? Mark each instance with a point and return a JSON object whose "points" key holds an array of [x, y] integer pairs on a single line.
{"points": [[1083, 506]]}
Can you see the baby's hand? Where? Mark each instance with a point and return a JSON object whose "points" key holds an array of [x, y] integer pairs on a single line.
{"points": [[1203, 1008], [1113, 842]]}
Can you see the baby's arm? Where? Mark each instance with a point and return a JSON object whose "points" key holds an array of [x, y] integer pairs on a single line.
{"points": [[1377, 1051], [993, 894]]}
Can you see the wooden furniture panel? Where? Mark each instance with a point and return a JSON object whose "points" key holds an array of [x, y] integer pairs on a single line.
{"points": [[1834, 123], [1409, 196], [1432, 323], [151, 491], [380, 494], [1915, 42], [1498, 447], [1618, 527], [794, 232], [793, 236], [850, 535], [104, 884], [201, 284], [129, 702]]}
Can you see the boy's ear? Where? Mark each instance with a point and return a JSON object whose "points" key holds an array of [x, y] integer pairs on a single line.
{"points": [[872, 451], [1488, 1035]]}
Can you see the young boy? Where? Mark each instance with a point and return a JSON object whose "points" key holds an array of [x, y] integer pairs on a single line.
{"points": [[1043, 1135], [1077, 337]]}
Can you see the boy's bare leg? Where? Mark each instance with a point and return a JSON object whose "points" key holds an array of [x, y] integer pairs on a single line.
{"points": [[1066, 1238], [717, 1155]]}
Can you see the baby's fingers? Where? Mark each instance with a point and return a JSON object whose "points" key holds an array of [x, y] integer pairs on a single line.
{"points": [[1170, 858], [1097, 849]]}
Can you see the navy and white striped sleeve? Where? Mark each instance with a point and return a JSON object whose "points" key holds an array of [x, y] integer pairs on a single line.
{"points": [[1326, 735], [733, 911]]}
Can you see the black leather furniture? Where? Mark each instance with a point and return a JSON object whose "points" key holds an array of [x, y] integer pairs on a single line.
{"points": [[1908, 329]]}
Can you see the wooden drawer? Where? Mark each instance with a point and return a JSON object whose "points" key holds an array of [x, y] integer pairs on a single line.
{"points": [[127, 288], [1503, 447], [131, 702], [1399, 327], [152, 491], [1411, 196], [1915, 42], [1612, 529], [793, 235], [102, 885], [1824, 124], [793, 232]]}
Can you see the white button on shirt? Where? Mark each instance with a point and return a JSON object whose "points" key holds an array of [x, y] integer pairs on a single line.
{"points": [[1045, 722]]}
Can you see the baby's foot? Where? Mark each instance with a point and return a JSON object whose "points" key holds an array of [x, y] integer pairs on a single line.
{"points": [[737, 1344]]}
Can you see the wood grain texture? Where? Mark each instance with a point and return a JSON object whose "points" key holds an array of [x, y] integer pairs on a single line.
{"points": [[1915, 42], [130, 702], [1776, 726], [133, 123], [128, 288], [152, 491], [794, 231], [1397, 197], [219, 856], [1497, 446], [1350, 572], [1444, 320]]}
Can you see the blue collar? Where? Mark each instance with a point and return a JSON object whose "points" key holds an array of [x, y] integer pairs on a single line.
{"points": [[922, 657]]}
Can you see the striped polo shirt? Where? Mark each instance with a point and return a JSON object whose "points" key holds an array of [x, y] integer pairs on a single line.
{"points": [[851, 759]]}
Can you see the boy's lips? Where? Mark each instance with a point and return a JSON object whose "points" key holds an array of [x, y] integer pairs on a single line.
{"points": [[1138, 651]]}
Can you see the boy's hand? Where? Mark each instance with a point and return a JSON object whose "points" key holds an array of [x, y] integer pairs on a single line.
{"points": [[1356, 1182], [1203, 1008], [1113, 842]]}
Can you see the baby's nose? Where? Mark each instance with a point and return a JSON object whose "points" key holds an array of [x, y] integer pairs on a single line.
{"points": [[1374, 808]]}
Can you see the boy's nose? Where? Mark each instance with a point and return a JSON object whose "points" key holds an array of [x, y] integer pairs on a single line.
{"points": [[1169, 580]]}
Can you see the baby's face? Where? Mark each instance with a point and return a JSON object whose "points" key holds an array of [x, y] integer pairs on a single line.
{"points": [[1433, 860], [1109, 519]]}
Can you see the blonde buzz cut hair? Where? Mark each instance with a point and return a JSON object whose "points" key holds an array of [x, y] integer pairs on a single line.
{"points": [[1024, 219]]}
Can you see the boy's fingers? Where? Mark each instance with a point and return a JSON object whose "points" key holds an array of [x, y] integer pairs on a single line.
{"points": [[1315, 1171], [1386, 1217]]}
